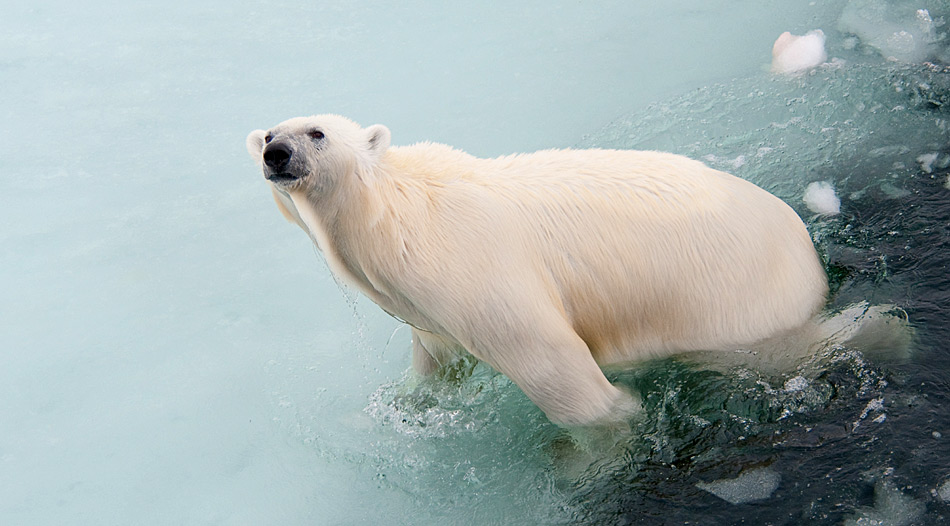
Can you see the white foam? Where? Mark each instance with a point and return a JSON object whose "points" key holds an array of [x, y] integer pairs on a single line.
{"points": [[876, 405], [798, 383], [821, 199], [891, 508], [794, 54], [752, 485], [880, 332]]}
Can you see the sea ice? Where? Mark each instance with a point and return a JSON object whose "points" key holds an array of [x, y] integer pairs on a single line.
{"points": [[793, 53], [899, 31], [750, 486], [820, 198]]}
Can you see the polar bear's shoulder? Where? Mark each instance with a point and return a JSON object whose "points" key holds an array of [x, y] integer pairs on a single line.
{"points": [[436, 161], [430, 161]]}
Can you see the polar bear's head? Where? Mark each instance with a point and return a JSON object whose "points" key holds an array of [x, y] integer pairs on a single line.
{"points": [[313, 153]]}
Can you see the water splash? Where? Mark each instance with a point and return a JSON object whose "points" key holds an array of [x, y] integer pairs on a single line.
{"points": [[460, 399]]}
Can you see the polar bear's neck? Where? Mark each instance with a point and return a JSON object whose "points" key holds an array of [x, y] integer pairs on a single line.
{"points": [[353, 228]]}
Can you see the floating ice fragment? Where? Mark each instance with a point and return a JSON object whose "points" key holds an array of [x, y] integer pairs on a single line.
{"points": [[943, 492], [820, 198], [927, 161], [891, 508], [930, 161], [750, 486], [793, 54]]}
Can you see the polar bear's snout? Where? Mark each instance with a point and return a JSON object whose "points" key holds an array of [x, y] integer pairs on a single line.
{"points": [[276, 160]]}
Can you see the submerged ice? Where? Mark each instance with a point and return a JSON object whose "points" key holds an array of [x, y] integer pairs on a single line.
{"points": [[750, 486], [898, 30]]}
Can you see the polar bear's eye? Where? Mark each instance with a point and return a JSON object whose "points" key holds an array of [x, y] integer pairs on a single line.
{"points": [[268, 138], [315, 134]]}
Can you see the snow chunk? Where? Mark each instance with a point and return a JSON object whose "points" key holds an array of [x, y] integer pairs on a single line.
{"points": [[820, 198], [794, 54], [750, 486]]}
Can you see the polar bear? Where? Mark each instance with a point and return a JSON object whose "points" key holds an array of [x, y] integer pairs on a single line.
{"points": [[547, 265]]}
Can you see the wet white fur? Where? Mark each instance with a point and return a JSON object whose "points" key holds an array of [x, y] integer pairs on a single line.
{"points": [[551, 264]]}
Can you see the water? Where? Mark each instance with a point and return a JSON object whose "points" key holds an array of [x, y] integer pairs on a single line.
{"points": [[174, 352]]}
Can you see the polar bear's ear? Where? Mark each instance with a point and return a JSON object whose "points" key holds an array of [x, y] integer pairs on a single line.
{"points": [[255, 144], [377, 140]]}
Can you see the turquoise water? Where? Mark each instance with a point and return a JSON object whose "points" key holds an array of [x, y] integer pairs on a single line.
{"points": [[175, 353]]}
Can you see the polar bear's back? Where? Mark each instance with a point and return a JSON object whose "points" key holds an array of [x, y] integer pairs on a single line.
{"points": [[647, 253]]}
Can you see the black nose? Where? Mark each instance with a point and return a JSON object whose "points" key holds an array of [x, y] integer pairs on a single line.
{"points": [[277, 156]]}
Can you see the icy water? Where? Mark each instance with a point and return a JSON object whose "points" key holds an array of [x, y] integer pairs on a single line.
{"points": [[173, 352]]}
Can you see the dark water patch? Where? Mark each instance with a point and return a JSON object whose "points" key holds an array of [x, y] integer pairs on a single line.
{"points": [[863, 439], [701, 427]]}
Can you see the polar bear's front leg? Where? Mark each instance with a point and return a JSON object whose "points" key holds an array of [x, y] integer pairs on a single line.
{"points": [[422, 361], [430, 352], [572, 396], [559, 374]]}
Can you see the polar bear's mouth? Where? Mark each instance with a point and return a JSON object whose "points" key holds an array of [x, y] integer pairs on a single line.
{"points": [[283, 177]]}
